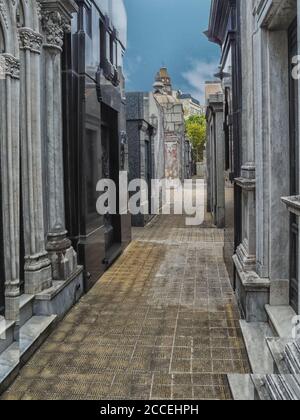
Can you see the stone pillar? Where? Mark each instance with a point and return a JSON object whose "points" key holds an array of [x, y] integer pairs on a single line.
{"points": [[10, 166], [215, 117], [208, 165], [61, 253], [38, 273], [220, 159], [246, 251]]}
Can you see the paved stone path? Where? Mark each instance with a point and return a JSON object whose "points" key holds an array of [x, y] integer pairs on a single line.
{"points": [[161, 324]]}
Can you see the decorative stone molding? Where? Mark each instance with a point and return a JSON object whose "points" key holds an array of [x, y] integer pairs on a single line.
{"points": [[246, 184], [53, 26], [247, 180], [253, 293], [248, 261], [36, 262], [3, 13], [292, 204], [30, 40], [62, 255], [9, 66], [275, 14], [56, 18]]}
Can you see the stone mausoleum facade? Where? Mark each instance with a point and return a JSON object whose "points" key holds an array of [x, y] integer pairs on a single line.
{"points": [[141, 134], [174, 126], [62, 128], [259, 43], [215, 155]]}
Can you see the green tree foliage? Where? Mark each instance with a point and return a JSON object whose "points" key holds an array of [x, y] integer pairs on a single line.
{"points": [[196, 132]]}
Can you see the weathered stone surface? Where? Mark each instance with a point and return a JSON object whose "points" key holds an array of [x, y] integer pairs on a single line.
{"points": [[215, 150]]}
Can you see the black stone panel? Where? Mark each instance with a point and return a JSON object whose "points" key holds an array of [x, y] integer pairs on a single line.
{"points": [[229, 231], [92, 105]]}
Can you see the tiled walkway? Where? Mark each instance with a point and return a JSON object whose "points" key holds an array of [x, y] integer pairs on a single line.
{"points": [[162, 323]]}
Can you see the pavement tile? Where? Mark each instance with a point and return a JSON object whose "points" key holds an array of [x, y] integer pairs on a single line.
{"points": [[162, 323]]}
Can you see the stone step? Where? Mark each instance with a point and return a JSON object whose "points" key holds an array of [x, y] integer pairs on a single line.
{"points": [[9, 366], [277, 349], [255, 335], [7, 333], [26, 308], [281, 320], [292, 357], [33, 333], [277, 387], [241, 387], [60, 298]]}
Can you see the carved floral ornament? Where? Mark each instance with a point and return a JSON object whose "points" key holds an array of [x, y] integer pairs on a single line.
{"points": [[54, 26], [9, 66], [30, 40], [3, 12]]}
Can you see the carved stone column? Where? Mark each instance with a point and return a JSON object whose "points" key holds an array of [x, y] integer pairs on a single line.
{"points": [[246, 251], [38, 273], [10, 166], [61, 252]]}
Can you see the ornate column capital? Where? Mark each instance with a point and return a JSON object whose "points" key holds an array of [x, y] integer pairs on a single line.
{"points": [[54, 27], [9, 66], [56, 18], [30, 40]]}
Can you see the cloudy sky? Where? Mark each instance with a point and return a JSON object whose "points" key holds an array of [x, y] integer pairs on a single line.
{"points": [[170, 33]]}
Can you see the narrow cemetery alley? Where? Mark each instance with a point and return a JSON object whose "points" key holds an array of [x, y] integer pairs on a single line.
{"points": [[162, 323]]}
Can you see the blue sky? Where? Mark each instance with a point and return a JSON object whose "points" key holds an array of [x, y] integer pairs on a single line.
{"points": [[170, 33]]}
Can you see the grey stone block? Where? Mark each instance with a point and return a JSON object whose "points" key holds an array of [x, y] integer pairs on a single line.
{"points": [[60, 297], [279, 293]]}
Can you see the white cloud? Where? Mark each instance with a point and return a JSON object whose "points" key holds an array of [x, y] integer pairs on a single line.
{"points": [[131, 67], [127, 74], [197, 75]]}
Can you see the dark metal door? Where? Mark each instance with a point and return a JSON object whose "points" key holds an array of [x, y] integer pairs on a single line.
{"points": [[110, 165], [294, 162], [148, 172], [105, 139]]}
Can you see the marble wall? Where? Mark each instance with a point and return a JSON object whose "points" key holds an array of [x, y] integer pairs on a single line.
{"points": [[38, 260], [262, 255]]}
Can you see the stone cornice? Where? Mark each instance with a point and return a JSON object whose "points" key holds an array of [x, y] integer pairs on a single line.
{"points": [[293, 204], [245, 183], [275, 14], [64, 7], [218, 21]]}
